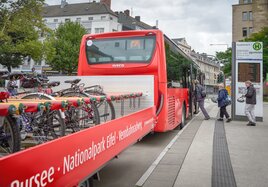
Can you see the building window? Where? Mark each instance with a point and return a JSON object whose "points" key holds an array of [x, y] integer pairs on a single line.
{"points": [[38, 63], [250, 30], [244, 16], [78, 20], [67, 19], [103, 17], [99, 30], [244, 32], [90, 18], [247, 1], [250, 16], [89, 30], [111, 18], [55, 20]]}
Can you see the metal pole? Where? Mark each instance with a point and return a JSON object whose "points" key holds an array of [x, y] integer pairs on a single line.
{"points": [[233, 79], [191, 90]]}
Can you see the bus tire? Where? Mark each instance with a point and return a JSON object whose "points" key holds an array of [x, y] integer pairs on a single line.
{"points": [[183, 117], [87, 183]]}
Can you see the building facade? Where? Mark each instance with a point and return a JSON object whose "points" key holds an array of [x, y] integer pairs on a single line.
{"points": [[183, 45], [95, 15], [249, 16], [209, 70]]}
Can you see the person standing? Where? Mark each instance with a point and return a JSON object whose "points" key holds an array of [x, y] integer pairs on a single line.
{"points": [[200, 96], [12, 86], [222, 97], [250, 103], [34, 73]]}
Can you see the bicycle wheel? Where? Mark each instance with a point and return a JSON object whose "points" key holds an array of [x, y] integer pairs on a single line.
{"points": [[81, 117], [9, 135], [54, 126], [37, 96], [106, 108]]}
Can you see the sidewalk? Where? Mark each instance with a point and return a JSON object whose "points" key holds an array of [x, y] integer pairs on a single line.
{"points": [[213, 153]]}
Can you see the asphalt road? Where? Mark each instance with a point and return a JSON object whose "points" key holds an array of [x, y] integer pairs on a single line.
{"points": [[134, 161]]}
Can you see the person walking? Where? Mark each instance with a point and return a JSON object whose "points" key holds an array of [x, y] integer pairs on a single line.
{"points": [[250, 103], [222, 97], [200, 96]]}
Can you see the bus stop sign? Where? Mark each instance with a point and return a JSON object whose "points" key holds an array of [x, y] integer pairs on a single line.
{"points": [[247, 65]]}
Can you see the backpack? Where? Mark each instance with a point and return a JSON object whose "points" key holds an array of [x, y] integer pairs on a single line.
{"points": [[227, 101], [202, 92]]}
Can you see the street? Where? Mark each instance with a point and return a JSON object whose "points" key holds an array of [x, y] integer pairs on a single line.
{"points": [[134, 161]]}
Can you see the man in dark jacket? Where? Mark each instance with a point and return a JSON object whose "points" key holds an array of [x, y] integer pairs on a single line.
{"points": [[200, 95], [250, 103]]}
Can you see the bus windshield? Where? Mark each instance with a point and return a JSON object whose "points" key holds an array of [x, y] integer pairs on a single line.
{"points": [[127, 50]]}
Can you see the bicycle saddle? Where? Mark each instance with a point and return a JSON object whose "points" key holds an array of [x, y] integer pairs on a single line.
{"points": [[75, 81], [42, 79], [54, 83]]}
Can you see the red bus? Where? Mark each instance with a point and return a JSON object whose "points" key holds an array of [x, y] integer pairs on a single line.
{"points": [[146, 52], [147, 56]]}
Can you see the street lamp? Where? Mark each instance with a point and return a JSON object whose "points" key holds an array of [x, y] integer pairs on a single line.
{"points": [[220, 44]]}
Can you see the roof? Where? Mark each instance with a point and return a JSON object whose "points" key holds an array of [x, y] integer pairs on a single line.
{"points": [[181, 41], [205, 60], [178, 39], [77, 9], [129, 22]]}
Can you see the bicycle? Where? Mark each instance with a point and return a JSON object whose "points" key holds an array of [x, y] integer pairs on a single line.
{"points": [[75, 117], [40, 126], [105, 107]]}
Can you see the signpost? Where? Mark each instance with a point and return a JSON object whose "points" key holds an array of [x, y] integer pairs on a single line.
{"points": [[247, 65]]}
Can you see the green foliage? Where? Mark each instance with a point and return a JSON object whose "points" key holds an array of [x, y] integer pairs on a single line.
{"points": [[67, 44], [20, 26], [261, 36], [226, 58], [220, 78], [177, 65]]}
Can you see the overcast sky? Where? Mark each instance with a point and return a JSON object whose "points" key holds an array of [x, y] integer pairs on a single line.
{"points": [[201, 22]]}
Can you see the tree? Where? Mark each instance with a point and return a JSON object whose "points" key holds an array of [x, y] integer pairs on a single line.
{"points": [[177, 65], [261, 36], [20, 26], [67, 44], [226, 58]]}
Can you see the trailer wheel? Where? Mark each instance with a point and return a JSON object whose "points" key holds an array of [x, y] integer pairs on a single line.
{"points": [[183, 117], [87, 183]]}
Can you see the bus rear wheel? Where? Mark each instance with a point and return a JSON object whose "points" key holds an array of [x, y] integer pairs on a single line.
{"points": [[183, 117]]}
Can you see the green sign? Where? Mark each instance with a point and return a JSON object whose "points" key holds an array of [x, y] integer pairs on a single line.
{"points": [[257, 46]]}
